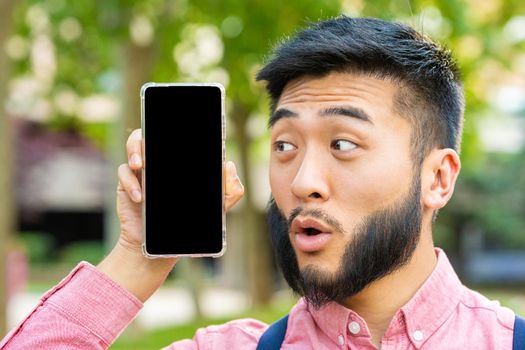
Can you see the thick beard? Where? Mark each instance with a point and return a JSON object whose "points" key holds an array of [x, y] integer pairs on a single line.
{"points": [[383, 243]]}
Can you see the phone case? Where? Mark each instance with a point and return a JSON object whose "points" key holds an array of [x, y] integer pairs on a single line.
{"points": [[223, 131]]}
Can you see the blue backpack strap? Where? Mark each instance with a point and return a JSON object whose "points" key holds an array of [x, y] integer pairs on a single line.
{"points": [[273, 337], [518, 342]]}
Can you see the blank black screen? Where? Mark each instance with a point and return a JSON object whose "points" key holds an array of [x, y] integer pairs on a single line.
{"points": [[183, 169]]}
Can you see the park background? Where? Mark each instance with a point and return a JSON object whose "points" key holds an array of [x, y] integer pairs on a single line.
{"points": [[70, 73]]}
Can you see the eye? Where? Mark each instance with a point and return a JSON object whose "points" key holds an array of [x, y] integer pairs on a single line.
{"points": [[343, 145], [281, 146]]}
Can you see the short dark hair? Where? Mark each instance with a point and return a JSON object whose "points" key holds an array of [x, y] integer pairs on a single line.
{"points": [[430, 90]]}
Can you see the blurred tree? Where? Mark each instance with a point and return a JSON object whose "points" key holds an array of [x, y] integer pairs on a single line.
{"points": [[112, 47], [7, 209]]}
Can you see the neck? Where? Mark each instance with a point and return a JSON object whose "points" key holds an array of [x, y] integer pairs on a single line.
{"points": [[377, 305]]}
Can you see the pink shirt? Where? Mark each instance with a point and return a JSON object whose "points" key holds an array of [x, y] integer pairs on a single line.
{"points": [[87, 310]]}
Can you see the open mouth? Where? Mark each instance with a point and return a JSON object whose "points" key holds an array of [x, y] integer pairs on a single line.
{"points": [[309, 227], [310, 235], [310, 231]]}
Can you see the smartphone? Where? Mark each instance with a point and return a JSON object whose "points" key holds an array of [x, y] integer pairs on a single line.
{"points": [[183, 130]]}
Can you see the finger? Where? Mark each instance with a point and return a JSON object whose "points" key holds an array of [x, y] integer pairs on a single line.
{"points": [[231, 176], [129, 182], [134, 149], [234, 188]]}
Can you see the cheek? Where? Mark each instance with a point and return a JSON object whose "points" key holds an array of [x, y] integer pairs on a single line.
{"points": [[370, 187], [280, 183]]}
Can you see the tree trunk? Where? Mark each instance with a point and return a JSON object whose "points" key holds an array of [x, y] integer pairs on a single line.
{"points": [[257, 253], [7, 210], [139, 63], [136, 69]]}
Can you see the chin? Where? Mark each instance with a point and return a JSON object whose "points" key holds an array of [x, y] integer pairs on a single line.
{"points": [[316, 260], [326, 257]]}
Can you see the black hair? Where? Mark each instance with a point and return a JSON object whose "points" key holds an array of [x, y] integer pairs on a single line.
{"points": [[430, 91]]}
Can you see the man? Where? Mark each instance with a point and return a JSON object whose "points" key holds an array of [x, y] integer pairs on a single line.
{"points": [[366, 122]]}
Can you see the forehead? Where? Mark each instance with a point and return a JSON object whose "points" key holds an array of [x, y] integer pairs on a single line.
{"points": [[373, 96]]}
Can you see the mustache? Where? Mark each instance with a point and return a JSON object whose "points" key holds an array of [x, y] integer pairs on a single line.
{"points": [[315, 213]]}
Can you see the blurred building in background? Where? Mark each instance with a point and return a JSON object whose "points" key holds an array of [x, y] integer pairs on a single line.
{"points": [[60, 184]]}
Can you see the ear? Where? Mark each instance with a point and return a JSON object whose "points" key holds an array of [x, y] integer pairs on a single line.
{"points": [[439, 173]]}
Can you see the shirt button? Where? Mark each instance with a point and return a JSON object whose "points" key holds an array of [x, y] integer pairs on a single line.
{"points": [[418, 335], [354, 327], [341, 340]]}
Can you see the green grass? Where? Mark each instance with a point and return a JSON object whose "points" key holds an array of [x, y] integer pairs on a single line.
{"points": [[513, 298], [136, 339]]}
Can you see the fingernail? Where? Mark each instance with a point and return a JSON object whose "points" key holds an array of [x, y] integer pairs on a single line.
{"points": [[137, 196], [233, 170], [135, 159]]}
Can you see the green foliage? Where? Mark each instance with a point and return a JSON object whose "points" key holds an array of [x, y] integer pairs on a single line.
{"points": [[492, 198], [476, 32], [91, 251], [37, 245], [97, 132]]}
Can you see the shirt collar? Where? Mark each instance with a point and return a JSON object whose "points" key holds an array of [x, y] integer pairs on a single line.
{"points": [[433, 303], [420, 317], [334, 320]]}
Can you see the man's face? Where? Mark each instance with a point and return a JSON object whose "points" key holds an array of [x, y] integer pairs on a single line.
{"points": [[342, 177]]}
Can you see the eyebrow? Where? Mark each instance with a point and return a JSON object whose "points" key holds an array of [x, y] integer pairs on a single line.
{"points": [[347, 111]]}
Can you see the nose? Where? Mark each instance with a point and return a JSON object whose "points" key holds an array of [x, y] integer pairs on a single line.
{"points": [[311, 182]]}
